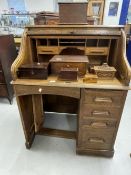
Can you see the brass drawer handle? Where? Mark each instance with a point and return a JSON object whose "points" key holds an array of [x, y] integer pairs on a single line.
{"points": [[96, 140], [98, 52], [99, 124], [103, 99], [106, 113], [47, 51]]}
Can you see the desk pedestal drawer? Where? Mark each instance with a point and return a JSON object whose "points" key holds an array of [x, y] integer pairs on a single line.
{"points": [[99, 111], [98, 123], [103, 97], [94, 138]]}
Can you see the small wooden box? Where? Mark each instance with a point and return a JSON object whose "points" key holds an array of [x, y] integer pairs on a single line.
{"points": [[73, 12], [104, 71], [33, 71], [69, 61], [68, 74], [90, 78]]}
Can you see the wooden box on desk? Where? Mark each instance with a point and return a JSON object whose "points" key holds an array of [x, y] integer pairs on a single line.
{"points": [[33, 71], [68, 74], [69, 61], [105, 72], [73, 13]]}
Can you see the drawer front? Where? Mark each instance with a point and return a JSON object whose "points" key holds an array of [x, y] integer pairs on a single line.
{"points": [[3, 91], [98, 111], [2, 79], [56, 67], [94, 138], [26, 90], [102, 97], [99, 123], [47, 50], [97, 51]]}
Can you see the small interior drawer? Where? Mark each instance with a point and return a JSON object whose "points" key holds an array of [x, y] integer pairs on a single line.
{"points": [[97, 51], [47, 50], [93, 138], [103, 97]]}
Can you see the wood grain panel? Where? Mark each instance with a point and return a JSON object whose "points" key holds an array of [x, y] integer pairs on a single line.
{"points": [[24, 90], [103, 97], [38, 111]]}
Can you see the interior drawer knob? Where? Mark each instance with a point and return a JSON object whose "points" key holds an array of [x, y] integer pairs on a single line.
{"points": [[40, 90]]}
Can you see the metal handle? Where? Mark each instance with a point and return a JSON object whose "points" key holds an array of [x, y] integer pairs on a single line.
{"points": [[106, 113], [96, 140], [47, 51], [99, 52], [103, 99], [99, 124]]}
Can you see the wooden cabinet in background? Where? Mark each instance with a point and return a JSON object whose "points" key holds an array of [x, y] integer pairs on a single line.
{"points": [[7, 56], [96, 10]]}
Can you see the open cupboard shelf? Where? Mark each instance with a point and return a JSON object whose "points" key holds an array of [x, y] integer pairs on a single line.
{"points": [[99, 48]]}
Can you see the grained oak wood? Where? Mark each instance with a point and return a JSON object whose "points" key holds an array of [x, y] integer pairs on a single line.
{"points": [[38, 112], [99, 105]]}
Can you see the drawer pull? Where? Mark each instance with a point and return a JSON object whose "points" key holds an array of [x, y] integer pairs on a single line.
{"points": [[99, 124], [103, 99], [40, 90], [97, 52], [47, 51], [72, 32], [106, 113], [96, 140]]}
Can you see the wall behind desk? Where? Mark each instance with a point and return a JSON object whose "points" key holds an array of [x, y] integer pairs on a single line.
{"points": [[109, 17], [39, 5], [31, 5], [3, 5]]}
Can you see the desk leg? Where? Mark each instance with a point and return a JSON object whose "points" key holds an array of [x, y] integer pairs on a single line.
{"points": [[27, 118], [38, 111]]}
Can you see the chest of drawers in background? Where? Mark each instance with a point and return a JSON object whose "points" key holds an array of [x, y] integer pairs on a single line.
{"points": [[99, 117], [7, 56]]}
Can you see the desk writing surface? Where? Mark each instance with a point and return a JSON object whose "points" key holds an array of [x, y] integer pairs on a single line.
{"points": [[52, 81]]}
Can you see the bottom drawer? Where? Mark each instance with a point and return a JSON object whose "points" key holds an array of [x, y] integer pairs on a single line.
{"points": [[3, 91], [94, 138]]}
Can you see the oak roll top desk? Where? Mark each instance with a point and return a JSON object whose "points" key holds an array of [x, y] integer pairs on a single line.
{"points": [[98, 105]]}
